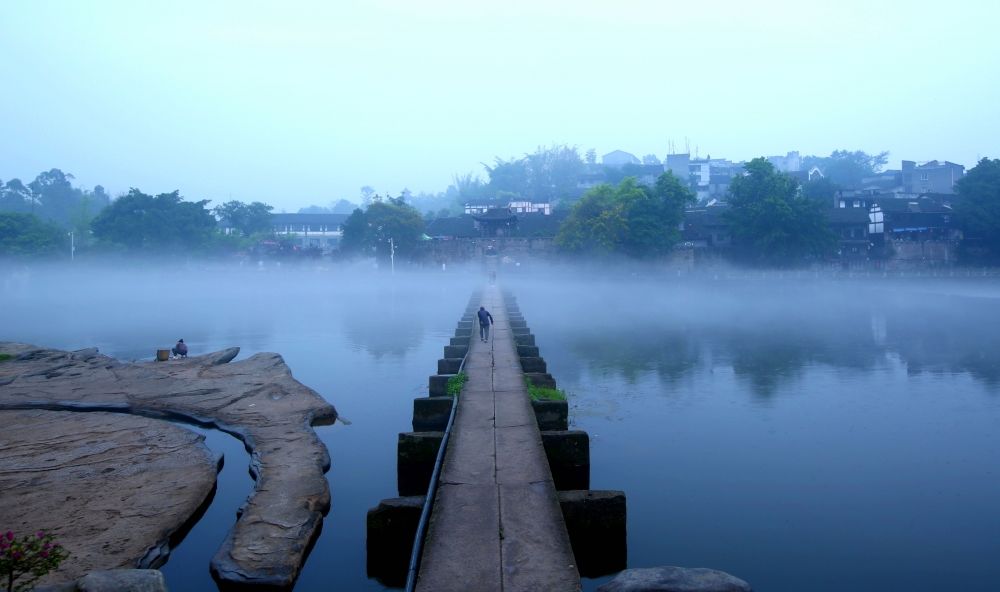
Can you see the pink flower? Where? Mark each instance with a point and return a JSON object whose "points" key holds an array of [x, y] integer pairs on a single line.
{"points": [[10, 535], [18, 554], [43, 553], [40, 534]]}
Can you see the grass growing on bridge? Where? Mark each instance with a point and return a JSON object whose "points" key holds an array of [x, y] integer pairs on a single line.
{"points": [[541, 393], [455, 384], [5, 357]]}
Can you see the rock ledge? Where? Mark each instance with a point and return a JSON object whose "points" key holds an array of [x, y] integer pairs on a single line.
{"points": [[255, 399]]}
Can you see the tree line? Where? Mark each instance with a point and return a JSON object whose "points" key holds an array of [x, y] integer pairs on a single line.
{"points": [[772, 219], [43, 217]]}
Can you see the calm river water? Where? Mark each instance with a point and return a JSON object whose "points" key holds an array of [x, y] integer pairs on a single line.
{"points": [[802, 434]]}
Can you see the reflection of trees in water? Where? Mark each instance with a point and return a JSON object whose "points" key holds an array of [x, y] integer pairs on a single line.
{"points": [[633, 352], [947, 334], [771, 350], [385, 331], [769, 333], [764, 348]]}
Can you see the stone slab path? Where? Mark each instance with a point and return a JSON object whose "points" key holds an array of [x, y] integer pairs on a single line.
{"points": [[496, 522]]}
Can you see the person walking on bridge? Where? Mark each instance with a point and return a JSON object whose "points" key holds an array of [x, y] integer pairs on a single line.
{"points": [[485, 320]]}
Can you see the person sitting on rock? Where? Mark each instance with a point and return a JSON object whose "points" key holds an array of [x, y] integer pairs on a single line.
{"points": [[180, 350]]}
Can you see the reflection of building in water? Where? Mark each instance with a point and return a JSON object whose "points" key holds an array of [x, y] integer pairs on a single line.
{"points": [[878, 328]]}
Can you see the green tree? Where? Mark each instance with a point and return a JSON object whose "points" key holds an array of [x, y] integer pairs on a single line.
{"points": [[978, 205], [141, 222], [548, 174], [355, 230], [511, 176], [51, 196], [595, 225], [248, 219], [342, 206], [27, 235], [822, 190], [15, 196], [654, 221], [57, 198], [367, 195], [846, 168], [466, 188], [628, 219], [771, 222], [370, 231]]}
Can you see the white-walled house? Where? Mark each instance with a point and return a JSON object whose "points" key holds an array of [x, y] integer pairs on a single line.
{"points": [[322, 231]]}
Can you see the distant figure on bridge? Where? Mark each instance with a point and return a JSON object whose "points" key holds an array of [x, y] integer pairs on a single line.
{"points": [[180, 350], [485, 320]]}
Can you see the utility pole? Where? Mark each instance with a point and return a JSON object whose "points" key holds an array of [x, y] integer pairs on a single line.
{"points": [[392, 256], [72, 246]]}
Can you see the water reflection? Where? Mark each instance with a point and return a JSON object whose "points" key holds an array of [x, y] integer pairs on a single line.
{"points": [[947, 334], [840, 433], [388, 332], [768, 345], [669, 353]]}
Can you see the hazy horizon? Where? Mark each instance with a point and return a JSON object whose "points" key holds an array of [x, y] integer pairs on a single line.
{"points": [[302, 106]]}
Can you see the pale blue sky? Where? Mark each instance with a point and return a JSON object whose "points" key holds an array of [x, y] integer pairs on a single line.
{"points": [[305, 103]]}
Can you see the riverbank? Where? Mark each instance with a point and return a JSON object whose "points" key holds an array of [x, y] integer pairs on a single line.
{"points": [[255, 399]]}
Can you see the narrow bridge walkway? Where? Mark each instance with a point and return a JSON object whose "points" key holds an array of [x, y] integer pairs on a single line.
{"points": [[496, 522]]}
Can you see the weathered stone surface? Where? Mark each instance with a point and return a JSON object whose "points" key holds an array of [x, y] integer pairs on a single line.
{"points": [[524, 339], [449, 365], [437, 385], [123, 580], [596, 523], [569, 458], [461, 340], [533, 365], [391, 527], [416, 453], [675, 579], [541, 379], [256, 399], [551, 415], [527, 351], [115, 488], [430, 414], [493, 461], [515, 331], [456, 351]]}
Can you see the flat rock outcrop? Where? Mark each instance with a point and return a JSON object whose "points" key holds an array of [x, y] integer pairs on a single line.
{"points": [[675, 579], [123, 580], [115, 487], [256, 399]]}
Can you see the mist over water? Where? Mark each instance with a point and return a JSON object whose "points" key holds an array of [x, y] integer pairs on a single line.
{"points": [[803, 434]]}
